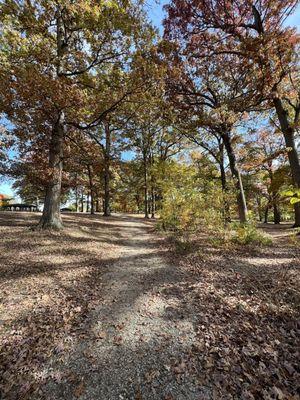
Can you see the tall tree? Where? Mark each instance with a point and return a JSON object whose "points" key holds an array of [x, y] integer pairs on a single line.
{"points": [[50, 52], [208, 99], [265, 156], [250, 38]]}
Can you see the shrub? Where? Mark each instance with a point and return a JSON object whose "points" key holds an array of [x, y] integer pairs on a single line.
{"points": [[247, 233], [190, 202]]}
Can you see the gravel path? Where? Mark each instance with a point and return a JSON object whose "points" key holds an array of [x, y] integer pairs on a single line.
{"points": [[140, 338], [106, 311]]}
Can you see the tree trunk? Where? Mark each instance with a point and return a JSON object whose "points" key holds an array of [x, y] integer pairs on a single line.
{"points": [[91, 189], [82, 201], [226, 210], [137, 199], [146, 205], [98, 205], [241, 200], [76, 199], [277, 217], [106, 210], [258, 202], [152, 202], [266, 213], [51, 218], [289, 137], [87, 203]]}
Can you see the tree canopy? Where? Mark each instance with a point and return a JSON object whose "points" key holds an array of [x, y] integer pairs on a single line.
{"points": [[101, 107]]}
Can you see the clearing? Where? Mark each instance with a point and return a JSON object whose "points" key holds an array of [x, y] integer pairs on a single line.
{"points": [[109, 310]]}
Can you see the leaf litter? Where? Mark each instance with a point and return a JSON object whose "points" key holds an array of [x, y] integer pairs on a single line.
{"points": [[86, 314]]}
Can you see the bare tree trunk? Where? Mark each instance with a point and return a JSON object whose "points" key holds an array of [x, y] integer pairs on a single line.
{"points": [[91, 189], [227, 217], [152, 202], [51, 218], [241, 200], [82, 201], [146, 202], [87, 203], [289, 136], [277, 216], [106, 210], [266, 213]]}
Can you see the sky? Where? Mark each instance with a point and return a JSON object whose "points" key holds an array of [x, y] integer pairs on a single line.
{"points": [[156, 12], [156, 15]]}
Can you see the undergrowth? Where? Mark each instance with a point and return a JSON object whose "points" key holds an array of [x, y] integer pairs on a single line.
{"points": [[246, 234]]}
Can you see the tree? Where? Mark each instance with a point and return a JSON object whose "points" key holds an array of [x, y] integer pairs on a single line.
{"points": [[153, 136], [209, 99], [212, 143], [129, 191], [251, 39], [265, 155], [57, 58]]}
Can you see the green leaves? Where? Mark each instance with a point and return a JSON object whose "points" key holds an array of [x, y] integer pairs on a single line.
{"points": [[294, 200], [293, 195]]}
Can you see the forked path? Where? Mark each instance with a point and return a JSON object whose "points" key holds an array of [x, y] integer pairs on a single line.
{"points": [[138, 336]]}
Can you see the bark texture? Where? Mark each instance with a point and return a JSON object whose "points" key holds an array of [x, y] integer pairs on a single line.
{"points": [[289, 136], [241, 200], [106, 206], [146, 194], [227, 217], [91, 185], [51, 218], [276, 211]]}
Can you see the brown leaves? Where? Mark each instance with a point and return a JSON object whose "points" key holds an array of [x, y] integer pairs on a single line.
{"points": [[247, 340], [46, 306], [151, 375], [119, 326], [79, 390], [101, 335], [249, 351], [118, 340], [168, 397], [180, 368]]}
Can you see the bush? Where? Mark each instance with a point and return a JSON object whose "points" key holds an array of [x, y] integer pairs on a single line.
{"points": [[189, 202], [247, 233]]}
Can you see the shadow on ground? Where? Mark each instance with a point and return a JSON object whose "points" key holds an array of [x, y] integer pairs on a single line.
{"points": [[105, 310]]}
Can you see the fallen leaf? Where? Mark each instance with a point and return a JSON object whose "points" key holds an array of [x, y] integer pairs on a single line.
{"points": [[118, 340], [101, 335], [79, 389]]}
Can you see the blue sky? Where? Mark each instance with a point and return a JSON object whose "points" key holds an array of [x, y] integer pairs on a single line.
{"points": [[156, 15], [155, 12]]}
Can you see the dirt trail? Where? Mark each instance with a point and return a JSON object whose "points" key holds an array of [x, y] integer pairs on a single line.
{"points": [[100, 311], [141, 336]]}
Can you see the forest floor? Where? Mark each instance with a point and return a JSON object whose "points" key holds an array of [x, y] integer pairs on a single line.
{"points": [[108, 309]]}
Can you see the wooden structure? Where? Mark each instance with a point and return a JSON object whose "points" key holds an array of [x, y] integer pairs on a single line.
{"points": [[20, 207]]}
